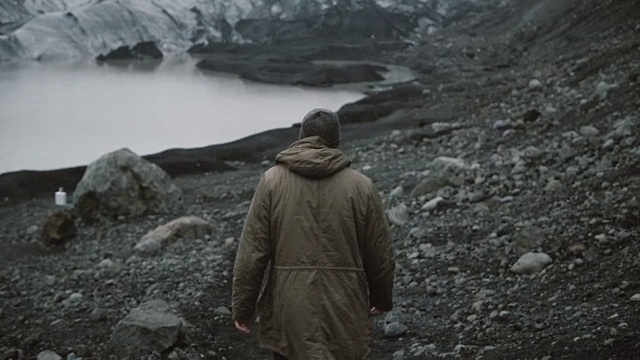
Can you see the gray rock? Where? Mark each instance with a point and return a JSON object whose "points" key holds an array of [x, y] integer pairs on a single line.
{"points": [[33, 229], [572, 173], [398, 355], [589, 131], [12, 353], [602, 90], [223, 310], [553, 185], [395, 134], [149, 327], [395, 329], [535, 84], [428, 186], [507, 199], [99, 314], [397, 192], [186, 227], [432, 204], [528, 239], [59, 227], [519, 168], [148, 246], [636, 297], [48, 355], [399, 215], [624, 128], [108, 267], [502, 124], [533, 152], [609, 144], [476, 196], [75, 298], [123, 183], [448, 164], [531, 263]]}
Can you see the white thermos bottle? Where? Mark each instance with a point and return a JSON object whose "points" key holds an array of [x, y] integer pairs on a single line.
{"points": [[61, 197]]}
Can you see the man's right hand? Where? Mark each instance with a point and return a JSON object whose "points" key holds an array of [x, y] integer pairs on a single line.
{"points": [[242, 327], [376, 312]]}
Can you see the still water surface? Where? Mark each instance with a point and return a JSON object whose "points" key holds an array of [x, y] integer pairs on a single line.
{"points": [[55, 115]]}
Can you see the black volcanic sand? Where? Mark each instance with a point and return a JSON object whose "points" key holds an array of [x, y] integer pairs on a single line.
{"points": [[564, 183]]}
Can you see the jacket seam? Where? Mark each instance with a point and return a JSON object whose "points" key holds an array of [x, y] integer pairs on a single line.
{"points": [[318, 268]]}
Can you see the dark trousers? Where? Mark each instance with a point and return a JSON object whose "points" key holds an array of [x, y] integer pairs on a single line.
{"points": [[277, 356]]}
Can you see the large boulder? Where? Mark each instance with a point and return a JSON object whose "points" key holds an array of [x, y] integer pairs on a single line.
{"points": [[149, 327], [186, 227], [123, 183]]}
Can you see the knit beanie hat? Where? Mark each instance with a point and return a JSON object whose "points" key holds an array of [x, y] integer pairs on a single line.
{"points": [[323, 123]]}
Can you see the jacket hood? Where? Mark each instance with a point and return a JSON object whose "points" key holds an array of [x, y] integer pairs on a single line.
{"points": [[312, 158]]}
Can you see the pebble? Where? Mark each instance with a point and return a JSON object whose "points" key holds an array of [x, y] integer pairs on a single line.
{"points": [[502, 124], [519, 168], [48, 355], [602, 89], [75, 298], [432, 204], [397, 192], [589, 131], [535, 84], [99, 314], [398, 355], [636, 297], [395, 329], [398, 215], [223, 310], [11, 354], [531, 263], [553, 185], [33, 229]]}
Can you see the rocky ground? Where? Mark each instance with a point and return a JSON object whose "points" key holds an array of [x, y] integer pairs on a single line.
{"points": [[509, 143]]}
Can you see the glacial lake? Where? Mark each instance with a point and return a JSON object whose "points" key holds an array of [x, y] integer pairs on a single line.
{"points": [[55, 115]]}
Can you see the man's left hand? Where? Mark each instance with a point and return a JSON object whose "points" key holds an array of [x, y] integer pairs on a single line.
{"points": [[242, 327]]}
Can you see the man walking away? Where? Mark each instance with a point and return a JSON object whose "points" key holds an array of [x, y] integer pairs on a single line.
{"points": [[322, 227]]}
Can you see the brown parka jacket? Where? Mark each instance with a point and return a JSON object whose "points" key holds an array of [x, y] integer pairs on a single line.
{"points": [[322, 228]]}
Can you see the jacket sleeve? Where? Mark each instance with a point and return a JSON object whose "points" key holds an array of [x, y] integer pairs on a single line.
{"points": [[378, 258], [254, 252]]}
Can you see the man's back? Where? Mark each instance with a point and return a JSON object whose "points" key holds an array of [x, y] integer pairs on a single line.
{"points": [[318, 222], [322, 228]]}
